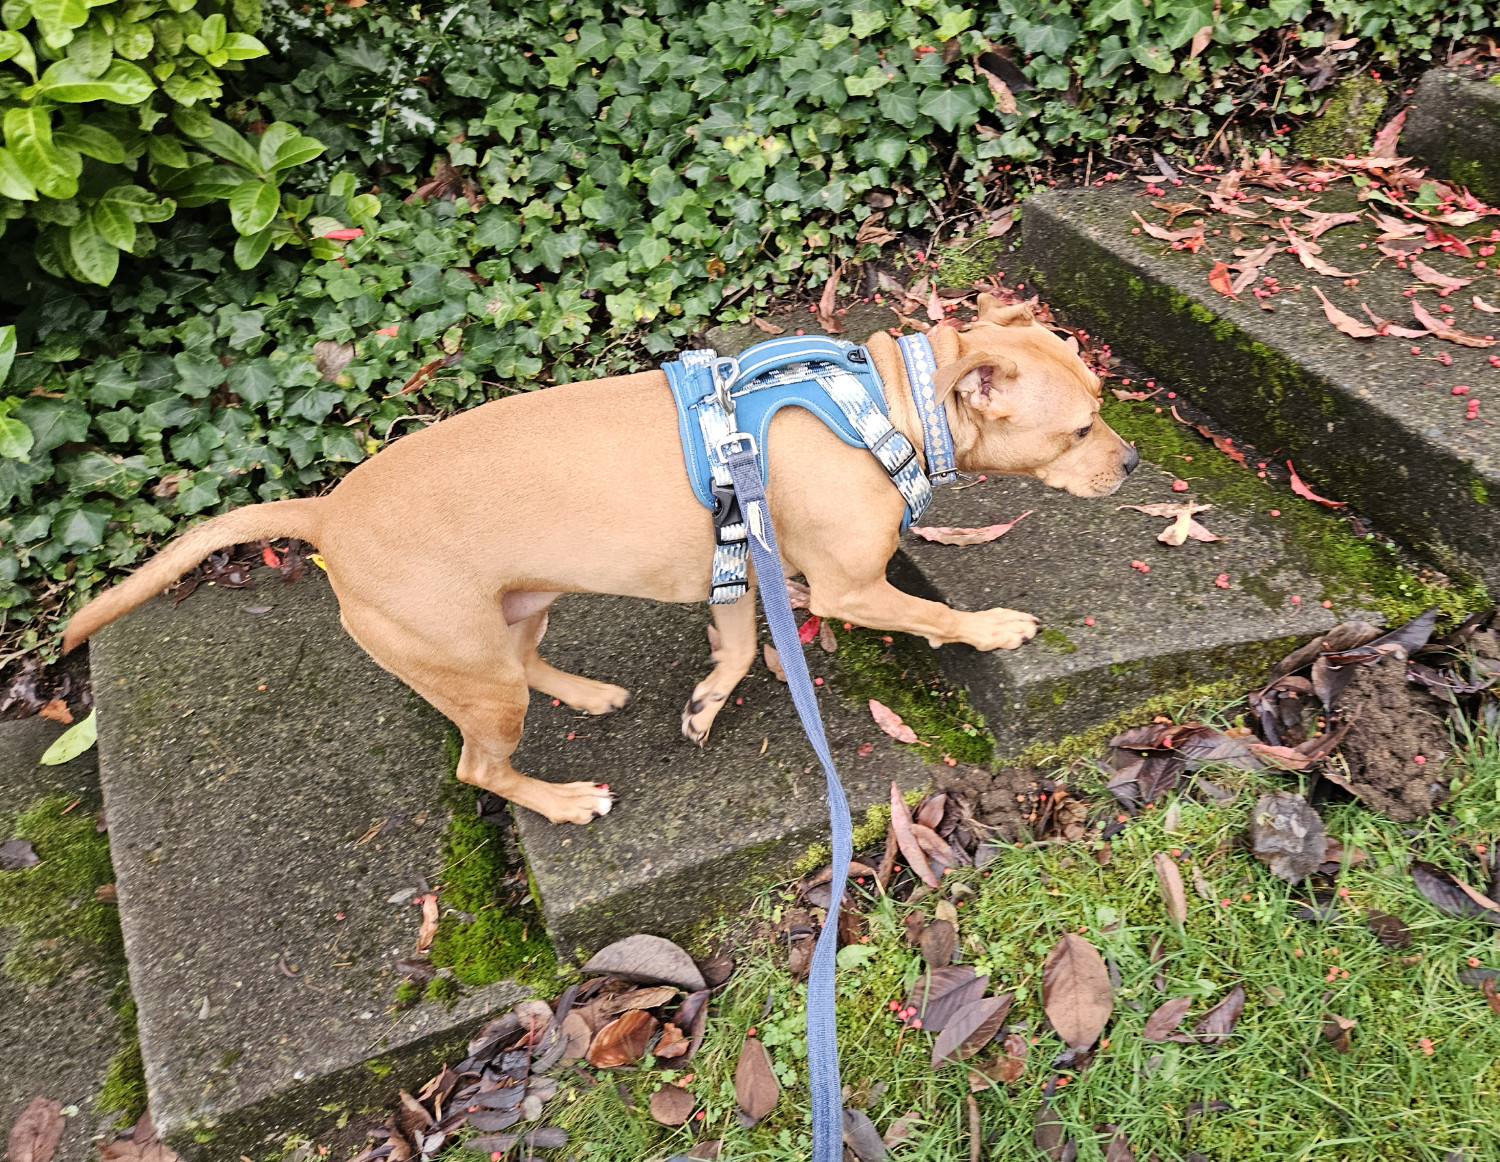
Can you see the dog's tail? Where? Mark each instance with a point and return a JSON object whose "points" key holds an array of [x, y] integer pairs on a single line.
{"points": [[281, 518]]}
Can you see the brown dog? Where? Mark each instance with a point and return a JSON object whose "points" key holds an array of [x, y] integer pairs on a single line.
{"points": [[446, 549]]}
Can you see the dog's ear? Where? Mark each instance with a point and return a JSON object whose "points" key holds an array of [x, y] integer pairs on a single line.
{"points": [[992, 310], [984, 391]]}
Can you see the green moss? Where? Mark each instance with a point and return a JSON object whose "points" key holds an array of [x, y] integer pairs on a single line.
{"points": [[902, 672], [1478, 491], [59, 923], [380, 1066], [408, 992], [442, 990], [961, 264], [506, 937], [1057, 639], [1347, 123], [1354, 570], [124, 1088]]}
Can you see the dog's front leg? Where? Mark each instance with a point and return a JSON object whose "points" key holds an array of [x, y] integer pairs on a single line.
{"points": [[732, 660], [880, 605]]}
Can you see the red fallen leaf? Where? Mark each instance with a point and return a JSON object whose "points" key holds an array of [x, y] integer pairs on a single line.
{"points": [[935, 310], [1283, 757], [809, 628], [1384, 144], [57, 710], [1348, 324], [948, 535], [389, 331], [901, 822], [1443, 330], [1218, 278], [622, 1041], [828, 302], [1306, 251], [1307, 493], [1322, 223], [1387, 327], [1481, 305], [1193, 232], [268, 555], [1436, 277], [36, 1133], [756, 1089], [346, 234], [1013, 1065], [768, 328], [890, 722], [1076, 992], [428, 930]]}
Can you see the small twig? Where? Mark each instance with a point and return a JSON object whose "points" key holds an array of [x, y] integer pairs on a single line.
{"points": [[975, 1139]]}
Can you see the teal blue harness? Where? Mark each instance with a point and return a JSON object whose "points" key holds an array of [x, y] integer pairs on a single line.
{"points": [[835, 381]]}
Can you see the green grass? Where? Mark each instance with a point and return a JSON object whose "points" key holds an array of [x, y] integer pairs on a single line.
{"points": [[1294, 1096]]}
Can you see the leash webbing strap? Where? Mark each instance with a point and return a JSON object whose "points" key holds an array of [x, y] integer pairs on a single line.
{"points": [[822, 1032]]}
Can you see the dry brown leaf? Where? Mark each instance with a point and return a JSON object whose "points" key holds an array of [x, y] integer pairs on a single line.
{"points": [[330, 357], [576, 1029], [773, 662], [1307, 493], [1200, 41], [970, 1029], [1348, 324], [948, 535], [623, 1041], [1446, 331], [828, 303], [1166, 1018], [827, 640], [1169, 881], [1493, 997], [756, 1089], [57, 710], [1478, 897], [672, 1105], [768, 328], [647, 959], [647, 998], [872, 233], [1013, 1065], [1322, 223], [1214, 1027], [1076, 992], [1168, 235], [890, 722], [1183, 525], [937, 943], [1306, 252], [36, 1133], [1437, 277], [428, 930], [1005, 100], [1384, 145], [901, 823], [935, 312], [1336, 1029], [1388, 327], [1481, 305]]}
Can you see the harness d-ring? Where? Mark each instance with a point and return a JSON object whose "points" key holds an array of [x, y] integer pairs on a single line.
{"points": [[724, 380]]}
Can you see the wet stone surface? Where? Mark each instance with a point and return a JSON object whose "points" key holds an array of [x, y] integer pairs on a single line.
{"points": [[56, 1038], [693, 831], [1453, 128], [1364, 420], [1153, 632], [274, 798]]}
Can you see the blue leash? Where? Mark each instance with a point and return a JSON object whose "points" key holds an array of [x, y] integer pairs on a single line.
{"points": [[822, 1032]]}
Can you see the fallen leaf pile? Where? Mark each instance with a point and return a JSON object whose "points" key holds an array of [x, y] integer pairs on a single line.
{"points": [[642, 995]]}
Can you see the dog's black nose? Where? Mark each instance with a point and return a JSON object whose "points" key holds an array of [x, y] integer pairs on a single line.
{"points": [[1132, 458]]}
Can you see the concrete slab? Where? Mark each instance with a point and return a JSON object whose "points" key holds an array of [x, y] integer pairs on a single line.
{"points": [[270, 789], [1153, 633], [1365, 421], [59, 1032], [1453, 128], [693, 832]]}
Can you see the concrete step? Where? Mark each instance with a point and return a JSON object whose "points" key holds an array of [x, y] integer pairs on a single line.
{"points": [[1364, 420], [62, 985], [274, 799], [1453, 128]]}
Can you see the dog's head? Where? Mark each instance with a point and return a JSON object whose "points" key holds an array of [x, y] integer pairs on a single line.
{"points": [[1026, 403]]}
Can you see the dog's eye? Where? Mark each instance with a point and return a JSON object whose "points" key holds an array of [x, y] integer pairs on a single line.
{"points": [[1084, 431]]}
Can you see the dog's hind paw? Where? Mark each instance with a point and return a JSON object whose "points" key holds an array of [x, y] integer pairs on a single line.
{"points": [[698, 716], [1000, 629], [572, 802]]}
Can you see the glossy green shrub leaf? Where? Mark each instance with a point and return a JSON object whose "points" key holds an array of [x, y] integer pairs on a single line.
{"points": [[249, 249], [15, 47], [52, 169], [122, 82], [91, 141], [231, 145], [7, 351], [13, 180], [253, 205]]}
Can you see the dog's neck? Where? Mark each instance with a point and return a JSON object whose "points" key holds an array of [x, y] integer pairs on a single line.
{"points": [[900, 405]]}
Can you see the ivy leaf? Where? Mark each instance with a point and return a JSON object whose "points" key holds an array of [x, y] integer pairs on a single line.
{"points": [[81, 529], [198, 492], [253, 206], [950, 107], [53, 422], [7, 351], [16, 438], [1154, 57]]}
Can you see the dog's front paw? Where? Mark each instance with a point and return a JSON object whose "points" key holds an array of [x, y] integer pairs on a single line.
{"points": [[600, 698], [699, 714], [572, 802], [1001, 629]]}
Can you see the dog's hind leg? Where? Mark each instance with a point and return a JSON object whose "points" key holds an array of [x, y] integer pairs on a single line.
{"points": [[478, 680], [732, 660], [581, 693]]}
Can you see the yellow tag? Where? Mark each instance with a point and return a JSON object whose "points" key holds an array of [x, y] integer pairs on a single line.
{"points": [[317, 559]]}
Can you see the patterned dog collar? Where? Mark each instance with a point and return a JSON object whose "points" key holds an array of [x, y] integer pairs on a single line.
{"points": [[937, 440]]}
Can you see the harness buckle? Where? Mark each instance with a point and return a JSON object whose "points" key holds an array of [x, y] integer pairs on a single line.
{"points": [[726, 508], [723, 382], [737, 438]]}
